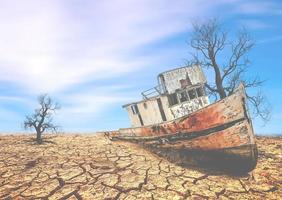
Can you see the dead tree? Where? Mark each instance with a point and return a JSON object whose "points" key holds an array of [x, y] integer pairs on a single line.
{"points": [[41, 119], [229, 63]]}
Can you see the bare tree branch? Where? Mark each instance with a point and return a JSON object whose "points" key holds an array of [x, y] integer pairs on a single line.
{"points": [[228, 60], [259, 106]]}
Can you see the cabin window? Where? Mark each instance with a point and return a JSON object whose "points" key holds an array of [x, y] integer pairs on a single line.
{"points": [[134, 109], [192, 94], [145, 105], [172, 99], [200, 92], [183, 96], [185, 82]]}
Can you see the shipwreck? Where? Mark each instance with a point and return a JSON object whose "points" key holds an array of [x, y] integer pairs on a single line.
{"points": [[175, 119]]}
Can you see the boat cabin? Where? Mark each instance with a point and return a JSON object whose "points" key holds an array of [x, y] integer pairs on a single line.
{"points": [[179, 92]]}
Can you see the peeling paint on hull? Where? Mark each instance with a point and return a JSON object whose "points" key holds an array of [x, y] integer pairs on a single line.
{"points": [[219, 133]]}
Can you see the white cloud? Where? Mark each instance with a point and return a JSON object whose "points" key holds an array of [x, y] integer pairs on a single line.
{"points": [[85, 108], [51, 45], [96, 101]]}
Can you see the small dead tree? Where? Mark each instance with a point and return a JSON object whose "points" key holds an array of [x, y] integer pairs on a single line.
{"points": [[41, 119], [229, 62]]}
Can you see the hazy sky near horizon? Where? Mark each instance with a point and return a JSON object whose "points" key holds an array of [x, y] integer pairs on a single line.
{"points": [[95, 56]]}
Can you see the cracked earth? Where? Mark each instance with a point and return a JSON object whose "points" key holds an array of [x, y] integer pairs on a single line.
{"points": [[93, 167]]}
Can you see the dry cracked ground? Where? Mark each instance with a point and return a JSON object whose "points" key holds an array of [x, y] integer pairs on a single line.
{"points": [[93, 167]]}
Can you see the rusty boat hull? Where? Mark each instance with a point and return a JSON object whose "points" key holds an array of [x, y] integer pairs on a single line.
{"points": [[219, 136]]}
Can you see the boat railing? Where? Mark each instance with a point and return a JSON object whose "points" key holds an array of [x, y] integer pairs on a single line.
{"points": [[154, 91]]}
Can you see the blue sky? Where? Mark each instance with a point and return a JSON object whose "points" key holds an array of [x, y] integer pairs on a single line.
{"points": [[94, 56]]}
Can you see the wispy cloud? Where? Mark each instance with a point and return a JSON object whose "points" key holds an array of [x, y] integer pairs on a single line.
{"points": [[259, 7], [54, 46], [51, 45], [83, 108]]}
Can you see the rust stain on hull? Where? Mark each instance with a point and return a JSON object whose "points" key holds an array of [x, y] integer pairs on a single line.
{"points": [[236, 135], [222, 112]]}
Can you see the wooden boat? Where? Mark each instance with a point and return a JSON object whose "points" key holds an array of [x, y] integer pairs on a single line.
{"points": [[218, 135]]}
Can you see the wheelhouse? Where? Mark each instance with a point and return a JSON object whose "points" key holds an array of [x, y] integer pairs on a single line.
{"points": [[179, 92]]}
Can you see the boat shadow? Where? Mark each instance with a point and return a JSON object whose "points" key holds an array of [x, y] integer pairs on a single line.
{"points": [[223, 162]]}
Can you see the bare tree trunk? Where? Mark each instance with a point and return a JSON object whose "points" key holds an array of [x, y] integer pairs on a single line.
{"points": [[218, 78], [218, 82], [38, 137]]}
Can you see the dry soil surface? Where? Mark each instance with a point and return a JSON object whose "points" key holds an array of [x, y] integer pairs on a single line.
{"points": [[93, 167]]}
